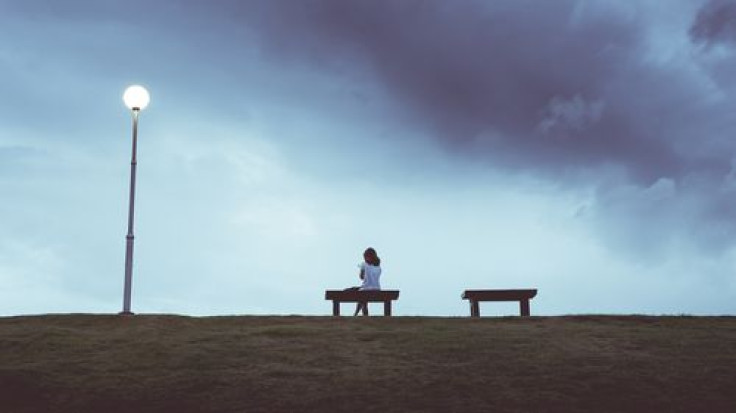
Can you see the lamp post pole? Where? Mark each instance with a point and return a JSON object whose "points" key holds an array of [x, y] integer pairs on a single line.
{"points": [[131, 215], [136, 98]]}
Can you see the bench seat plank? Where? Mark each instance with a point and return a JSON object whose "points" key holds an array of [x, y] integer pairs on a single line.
{"points": [[354, 296], [499, 295]]}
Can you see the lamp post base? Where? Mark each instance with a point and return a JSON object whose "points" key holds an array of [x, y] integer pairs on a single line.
{"points": [[126, 313]]}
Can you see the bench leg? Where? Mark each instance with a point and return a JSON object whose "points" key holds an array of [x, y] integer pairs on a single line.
{"points": [[524, 304], [335, 308], [387, 308], [474, 308]]}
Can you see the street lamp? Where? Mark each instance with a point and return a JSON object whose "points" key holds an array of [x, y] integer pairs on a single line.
{"points": [[136, 98]]}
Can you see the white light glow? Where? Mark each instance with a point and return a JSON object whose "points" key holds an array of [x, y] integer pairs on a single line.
{"points": [[136, 97]]}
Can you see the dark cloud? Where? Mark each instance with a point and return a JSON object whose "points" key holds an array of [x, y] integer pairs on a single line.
{"points": [[530, 85], [715, 23], [561, 90]]}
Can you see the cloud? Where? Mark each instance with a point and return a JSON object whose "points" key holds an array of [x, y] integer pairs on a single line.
{"points": [[481, 77], [487, 81], [570, 115], [715, 23], [568, 92]]}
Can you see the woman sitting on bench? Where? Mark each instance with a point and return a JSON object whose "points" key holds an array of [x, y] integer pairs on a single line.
{"points": [[370, 273]]}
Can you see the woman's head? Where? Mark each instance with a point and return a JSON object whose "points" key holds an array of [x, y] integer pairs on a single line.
{"points": [[371, 257]]}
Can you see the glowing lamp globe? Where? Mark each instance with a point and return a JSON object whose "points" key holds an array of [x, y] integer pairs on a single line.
{"points": [[136, 97]]}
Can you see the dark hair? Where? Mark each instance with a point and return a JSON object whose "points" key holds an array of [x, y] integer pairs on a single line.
{"points": [[371, 257]]}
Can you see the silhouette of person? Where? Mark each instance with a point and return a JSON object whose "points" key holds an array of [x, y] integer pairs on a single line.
{"points": [[370, 274]]}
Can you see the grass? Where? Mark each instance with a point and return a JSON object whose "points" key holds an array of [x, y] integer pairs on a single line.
{"points": [[162, 363]]}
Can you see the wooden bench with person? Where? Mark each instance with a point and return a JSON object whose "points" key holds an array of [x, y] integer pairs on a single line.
{"points": [[476, 296], [361, 296]]}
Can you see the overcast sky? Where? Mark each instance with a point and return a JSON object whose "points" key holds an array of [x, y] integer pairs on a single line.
{"points": [[583, 148]]}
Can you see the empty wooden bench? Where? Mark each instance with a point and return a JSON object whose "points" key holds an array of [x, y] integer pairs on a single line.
{"points": [[476, 296], [357, 296]]}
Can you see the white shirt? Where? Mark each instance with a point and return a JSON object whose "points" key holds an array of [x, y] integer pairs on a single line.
{"points": [[371, 276]]}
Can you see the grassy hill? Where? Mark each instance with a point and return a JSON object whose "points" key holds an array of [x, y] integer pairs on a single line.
{"points": [[159, 363]]}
